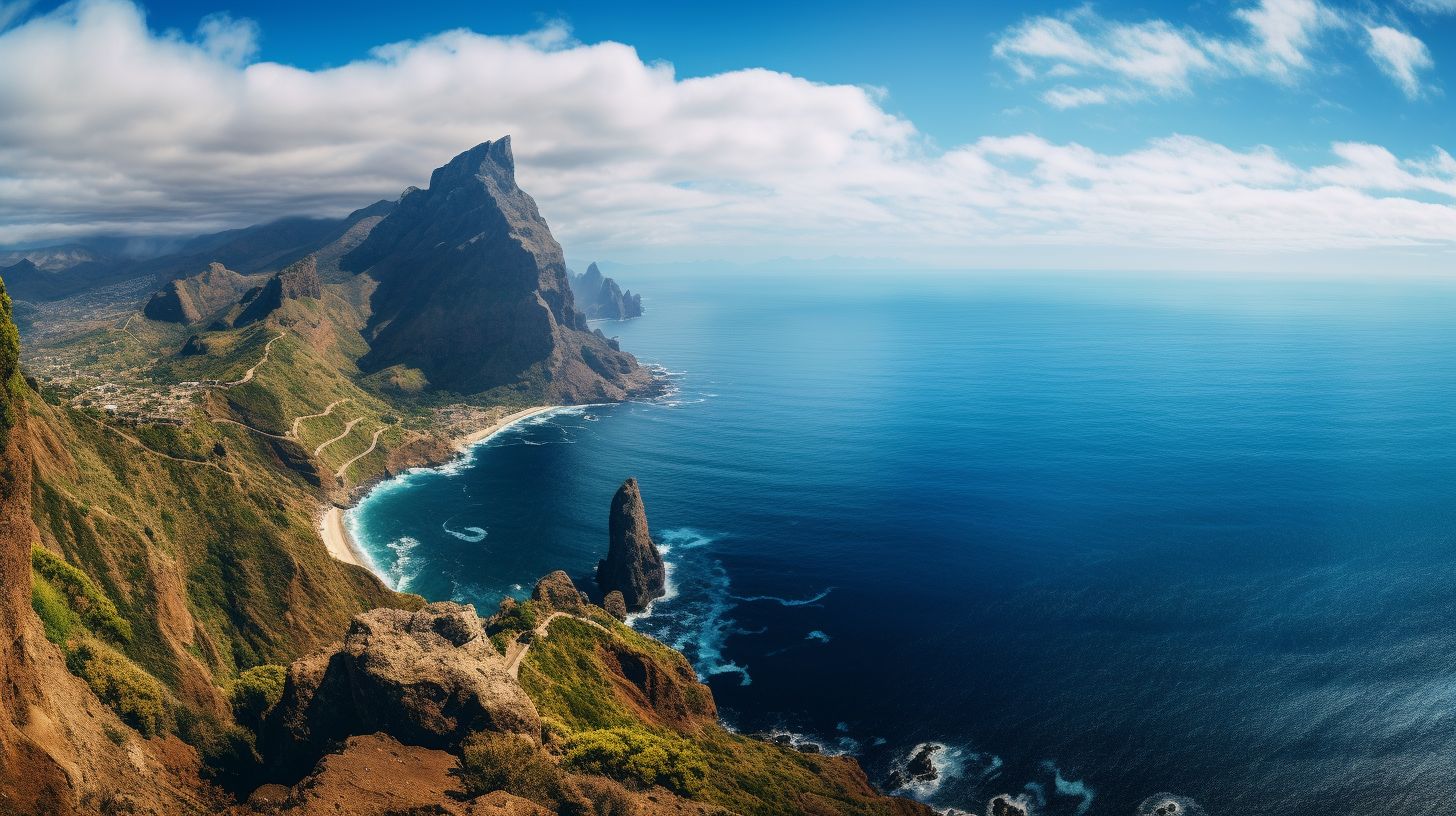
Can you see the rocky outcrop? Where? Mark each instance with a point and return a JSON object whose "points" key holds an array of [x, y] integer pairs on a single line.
{"points": [[615, 604], [633, 565], [919, 767], [192, 299], [1005, 805], [472, 291], [429, 678], [557, 593], [299, 280], [598, 296]]}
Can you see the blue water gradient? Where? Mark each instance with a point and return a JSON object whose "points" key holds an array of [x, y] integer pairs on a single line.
{"points": [[1100, 538]]}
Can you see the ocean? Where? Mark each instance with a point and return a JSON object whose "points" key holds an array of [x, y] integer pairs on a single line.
{"points": [[1099, 536]]}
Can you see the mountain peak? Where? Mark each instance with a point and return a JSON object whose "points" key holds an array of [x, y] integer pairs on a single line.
{"points": [[473, 291], [492, 161]]}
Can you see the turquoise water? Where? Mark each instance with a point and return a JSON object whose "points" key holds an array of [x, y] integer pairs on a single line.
{"points": [[1100, 538]]}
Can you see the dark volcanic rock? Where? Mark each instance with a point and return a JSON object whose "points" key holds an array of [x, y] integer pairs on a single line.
{"points": [[189, 300], [599, 296], [919, 768], [429, 677], [299, 280], [1004, 805], [633, 565], [473, 291], [1168, 804]]}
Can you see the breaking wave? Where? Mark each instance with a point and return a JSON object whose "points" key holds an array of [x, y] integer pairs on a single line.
{"points": [[474, 535], [694, 616], [402, 570]]}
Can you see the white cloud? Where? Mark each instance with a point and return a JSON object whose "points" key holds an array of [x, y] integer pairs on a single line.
{"points": [[1121, 62], [1401, 56], [1433, 6], [111, 127]]}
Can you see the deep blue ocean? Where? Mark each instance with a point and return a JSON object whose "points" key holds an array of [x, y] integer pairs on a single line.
{"points": [[1101, 537]]}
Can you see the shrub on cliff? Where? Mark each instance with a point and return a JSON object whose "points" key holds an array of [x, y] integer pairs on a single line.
{"points": [[255, 692], [508, 762], [53, 610], [134, 695], [640, 756], [81, 595]]}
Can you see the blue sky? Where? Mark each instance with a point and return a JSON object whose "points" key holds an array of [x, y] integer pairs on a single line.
{"points": [[1265, 132]]}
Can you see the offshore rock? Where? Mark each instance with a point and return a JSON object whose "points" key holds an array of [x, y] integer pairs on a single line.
{"points": [[1168, 804], [598, 296], [633, 565], [429, 677]]}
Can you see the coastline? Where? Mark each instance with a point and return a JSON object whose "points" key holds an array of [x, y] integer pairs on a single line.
{"points": [[335, 533], [501, 424]]}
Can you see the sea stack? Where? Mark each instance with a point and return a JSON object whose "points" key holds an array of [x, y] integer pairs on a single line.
{"points": [[633, 565]]}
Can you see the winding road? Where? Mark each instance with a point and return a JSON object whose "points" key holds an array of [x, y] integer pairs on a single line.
{"points": [[248, 375], [347, 428], [373, 443], [329, 410]]}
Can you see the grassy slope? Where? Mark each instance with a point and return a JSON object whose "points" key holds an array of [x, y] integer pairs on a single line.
{"points": [[577, 691]]}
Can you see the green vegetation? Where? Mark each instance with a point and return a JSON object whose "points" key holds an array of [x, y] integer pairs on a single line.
{"points": [[639, 756], [602, 729], [50, 605], [509, 762], [255, 692], [514, 618], [137, 697], [81, 595]]}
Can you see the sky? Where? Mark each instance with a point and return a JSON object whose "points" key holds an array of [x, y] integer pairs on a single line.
{"points": [[1248, 136]]}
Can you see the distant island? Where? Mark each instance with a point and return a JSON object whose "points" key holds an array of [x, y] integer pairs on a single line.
{"points": [[599, 296]]}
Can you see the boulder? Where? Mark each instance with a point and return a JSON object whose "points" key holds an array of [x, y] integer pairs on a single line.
{"points": [[428, 678], [633, 565], [615, 605], [557, 593]]}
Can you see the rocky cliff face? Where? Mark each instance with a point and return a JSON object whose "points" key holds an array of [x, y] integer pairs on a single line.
{"points": [[600, 296], [429, 677], [633, 565], [299, 280], [473, 292], [192, 299]]}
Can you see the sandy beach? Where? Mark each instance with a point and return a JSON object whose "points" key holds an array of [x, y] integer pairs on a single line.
{"points": [[501, 424], [336, 535]]}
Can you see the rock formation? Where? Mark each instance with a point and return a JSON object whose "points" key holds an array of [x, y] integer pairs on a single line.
{"points": [[473, 291], [299, 280], [615, 605], [429, 678], [599, 296], [633, 565], [190, 300], [557, 593], [1005, 805]]}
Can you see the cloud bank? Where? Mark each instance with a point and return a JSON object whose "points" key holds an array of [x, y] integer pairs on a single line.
{"points": [[111, 127]]}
